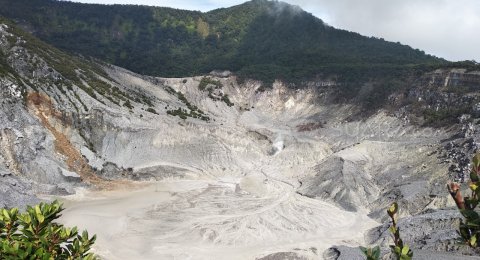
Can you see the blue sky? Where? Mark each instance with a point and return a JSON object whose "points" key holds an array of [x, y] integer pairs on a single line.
{"points": [[445, 28]]}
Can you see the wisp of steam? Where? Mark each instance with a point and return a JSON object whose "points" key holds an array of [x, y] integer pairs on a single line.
{"points": [[278, 145]]}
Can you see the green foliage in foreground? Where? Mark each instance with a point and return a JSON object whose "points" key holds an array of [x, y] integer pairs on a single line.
{"points": [[371, 253], [470, 226], [469, 229], [33, 235], [399, 249]]}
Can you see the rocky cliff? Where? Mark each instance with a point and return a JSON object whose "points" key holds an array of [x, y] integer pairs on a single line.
{"points": [[68, 122]]}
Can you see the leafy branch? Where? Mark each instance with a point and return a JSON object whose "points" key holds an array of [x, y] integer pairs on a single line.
{"points": [[401, 250], [469, 229], [34, 235]]}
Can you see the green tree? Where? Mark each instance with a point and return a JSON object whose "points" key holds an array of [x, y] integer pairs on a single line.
{"points": [[34, 235]]}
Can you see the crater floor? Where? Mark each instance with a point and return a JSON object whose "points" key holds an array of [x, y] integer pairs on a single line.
{"points": [[205, 219], [281, 171]]}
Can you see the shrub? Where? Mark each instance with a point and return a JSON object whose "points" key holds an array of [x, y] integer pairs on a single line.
{"points": [[371, 253], [128, 104], [227, 100], [151, 110], [183, 114], [205, 81], [401, 250], [444, 116], [469, 229], [34, 235], [195, 112]]}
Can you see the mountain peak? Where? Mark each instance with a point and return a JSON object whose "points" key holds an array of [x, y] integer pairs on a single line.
{"points": [[259, 39], [272, 6]]}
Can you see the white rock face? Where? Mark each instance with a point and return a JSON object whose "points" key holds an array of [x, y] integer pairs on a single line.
{"points": [[232, 188], [282, 173]]}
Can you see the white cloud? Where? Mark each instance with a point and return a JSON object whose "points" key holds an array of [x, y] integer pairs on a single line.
{"points": [[445, 28]]}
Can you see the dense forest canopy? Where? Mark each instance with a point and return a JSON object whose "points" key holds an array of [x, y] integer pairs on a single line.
{"points": [[260, 39], [171, 42]]}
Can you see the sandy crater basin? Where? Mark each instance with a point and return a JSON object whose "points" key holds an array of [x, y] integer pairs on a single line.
{"points": [[212, 219]]}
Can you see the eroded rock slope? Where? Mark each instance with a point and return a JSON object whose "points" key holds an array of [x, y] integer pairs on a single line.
{"points": [[285, 156]]}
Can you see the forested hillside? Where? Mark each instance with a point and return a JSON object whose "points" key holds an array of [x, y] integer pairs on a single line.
{"points": [[259, 39]]}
